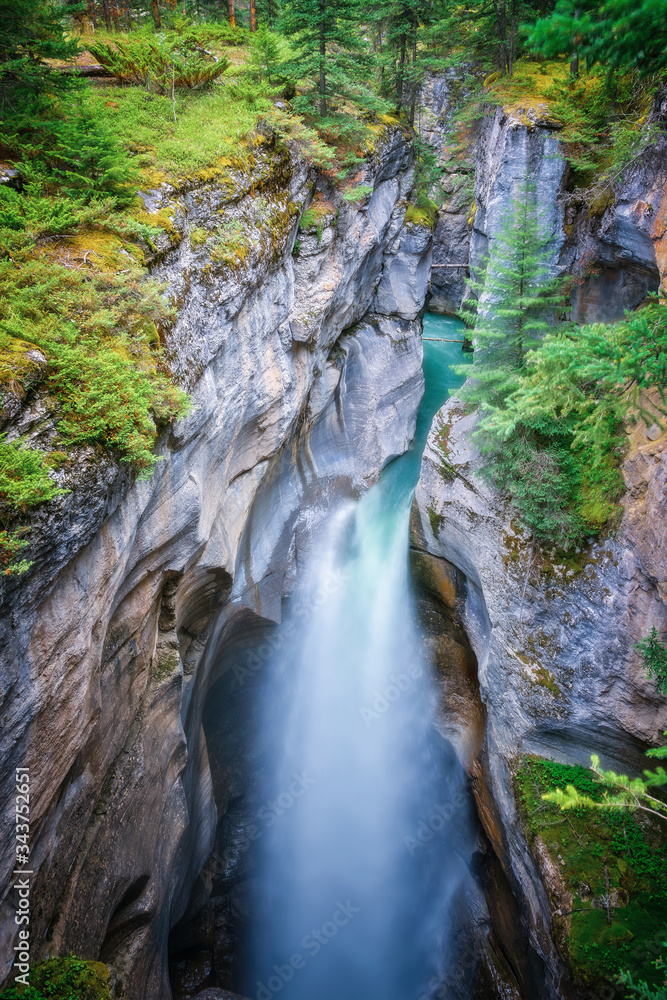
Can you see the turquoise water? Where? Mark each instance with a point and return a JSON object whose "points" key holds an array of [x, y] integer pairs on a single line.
{"points": [[351, 904], [440, 382]]}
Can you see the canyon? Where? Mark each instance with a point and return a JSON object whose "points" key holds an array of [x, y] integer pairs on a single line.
{"points": [[149, 601]]}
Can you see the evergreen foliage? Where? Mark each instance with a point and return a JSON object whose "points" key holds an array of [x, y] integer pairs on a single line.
{"points": [[265, 54], [654, 656], [622, 35], [161, 64], [553, 404], [24, 479], [32, 31], [612, 863], [618, 792], [516, 302], [328, 49]]}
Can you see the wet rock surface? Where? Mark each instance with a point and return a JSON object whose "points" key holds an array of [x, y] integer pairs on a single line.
{"points": [[103, 687]]}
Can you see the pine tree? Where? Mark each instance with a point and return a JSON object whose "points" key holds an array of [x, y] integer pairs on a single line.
{"points": [[516, 301], [327, 44], [621, 34], [32, 31]]}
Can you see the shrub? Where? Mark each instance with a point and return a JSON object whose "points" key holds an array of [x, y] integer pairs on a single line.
{"points": [[358, 193], [24, 479], [654, 656], [160, 64]]}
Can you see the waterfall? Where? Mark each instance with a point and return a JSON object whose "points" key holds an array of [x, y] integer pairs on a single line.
{"points": [[363, 836]]}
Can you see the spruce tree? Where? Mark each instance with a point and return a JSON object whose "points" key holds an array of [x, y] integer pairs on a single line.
{"points": [[32, 31], [327, 44], [623, 35], [517, 298]]}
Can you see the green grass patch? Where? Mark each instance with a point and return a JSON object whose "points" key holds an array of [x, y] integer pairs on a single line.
{"points": [[209, 127], [581, 843]]}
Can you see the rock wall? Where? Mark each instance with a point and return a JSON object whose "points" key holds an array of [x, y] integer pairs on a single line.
{"points": [[553, 639], [612, 241], [552, 669], [103, 640]]}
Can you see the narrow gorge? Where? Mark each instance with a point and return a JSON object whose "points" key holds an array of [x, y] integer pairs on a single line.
{"points": [[299, 671]]}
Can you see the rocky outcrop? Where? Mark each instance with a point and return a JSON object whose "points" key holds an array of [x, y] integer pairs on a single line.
{"points": [[553, 637], [610, 238], [103, 688], [439, 99]]}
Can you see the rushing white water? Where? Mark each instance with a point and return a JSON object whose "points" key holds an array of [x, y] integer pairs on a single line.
{"points": [[361, 851]]}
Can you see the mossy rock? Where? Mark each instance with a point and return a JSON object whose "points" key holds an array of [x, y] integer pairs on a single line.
{"points": [[64, 979], [606, 874], [424, 215]]}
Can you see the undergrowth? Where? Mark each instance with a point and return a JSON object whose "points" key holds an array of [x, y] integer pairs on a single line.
{"points": [[63, 979], [602, 857]]}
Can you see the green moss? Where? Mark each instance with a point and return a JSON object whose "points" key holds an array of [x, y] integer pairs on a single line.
{"points": [[165, 664], [420, 216], [591, 849], [436, 520], [231, 245], [600, 201], [319, 214], [544, 678], [64, 979], [198, 237]]}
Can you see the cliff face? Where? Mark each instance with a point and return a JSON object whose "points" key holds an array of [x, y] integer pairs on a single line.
{"points": [[615, 249], [556, 673], [103, 687]]}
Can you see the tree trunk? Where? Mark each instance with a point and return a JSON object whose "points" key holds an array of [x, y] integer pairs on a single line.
{"points": [[253, 16], [501, 26], [232, 16], [401, 65], [512, 34], [106, 13], [323, 54], [155, 11], [413, 99]]}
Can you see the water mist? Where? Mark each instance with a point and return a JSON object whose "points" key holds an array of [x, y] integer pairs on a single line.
{"points": [[367, 834]]}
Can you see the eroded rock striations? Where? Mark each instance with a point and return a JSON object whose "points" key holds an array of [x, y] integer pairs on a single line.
{"points": [[103, 689]]}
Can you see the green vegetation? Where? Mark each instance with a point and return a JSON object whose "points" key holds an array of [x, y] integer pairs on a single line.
{"points": [[607, 874], [162, 64], [654, 656], [63, 979], [615, 792], [328, 49], [622, 35], [554, 405]]}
